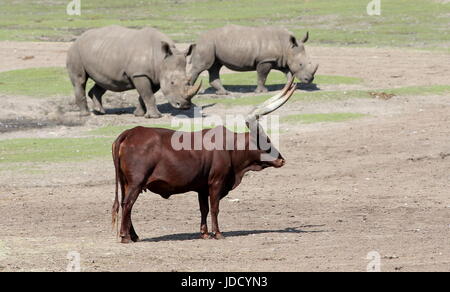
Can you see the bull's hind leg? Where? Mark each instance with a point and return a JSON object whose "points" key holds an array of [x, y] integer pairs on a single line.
{"points": [[127, 232], [96, 94], [214, 79], [216, 193]]}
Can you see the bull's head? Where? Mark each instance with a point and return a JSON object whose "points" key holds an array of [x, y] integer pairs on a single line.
{"points": [[299, 62], [174, 82], [266, 154]]}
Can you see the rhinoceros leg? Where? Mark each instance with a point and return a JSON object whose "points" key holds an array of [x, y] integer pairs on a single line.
{"points": [[214, 79], [79, 84], [78, 77], [140, 108], [144, 88], [263, 70], [80, 98], [96, 94]]}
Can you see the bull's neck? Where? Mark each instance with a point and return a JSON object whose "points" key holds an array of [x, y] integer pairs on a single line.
{"points": [[243, 159]]}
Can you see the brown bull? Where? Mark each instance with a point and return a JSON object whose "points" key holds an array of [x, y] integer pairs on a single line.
{"points": [[145, 159]]}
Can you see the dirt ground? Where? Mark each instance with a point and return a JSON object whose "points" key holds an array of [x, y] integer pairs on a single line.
{"points": [[380, 183]]}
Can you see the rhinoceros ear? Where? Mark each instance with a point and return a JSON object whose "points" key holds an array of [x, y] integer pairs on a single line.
{"points": [[167, 51], [306, 37], [293, 41], [190, 50]]}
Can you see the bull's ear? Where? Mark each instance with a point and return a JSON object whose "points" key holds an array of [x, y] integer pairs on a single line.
{"points": [[306, 37], [165, 47], [293, 41], [190, 50]]}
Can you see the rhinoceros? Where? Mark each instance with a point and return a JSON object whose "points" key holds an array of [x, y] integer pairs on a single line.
{"points": [[241, 48], [119, 59]]}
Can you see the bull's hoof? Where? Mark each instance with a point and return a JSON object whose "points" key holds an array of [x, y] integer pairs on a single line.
{"points": [[126, 240], [219, 236], [153, 115], [135, 239], [205, 236]]}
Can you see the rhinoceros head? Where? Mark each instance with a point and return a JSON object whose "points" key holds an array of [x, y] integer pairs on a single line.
{"points": [[299, 62], [173, 80]]}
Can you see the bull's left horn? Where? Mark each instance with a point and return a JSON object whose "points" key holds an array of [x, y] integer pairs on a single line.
{"points": [[193, 90]]}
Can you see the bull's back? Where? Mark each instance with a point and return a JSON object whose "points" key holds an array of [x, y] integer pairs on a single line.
{"points": [[149, 153], [242, 48]]}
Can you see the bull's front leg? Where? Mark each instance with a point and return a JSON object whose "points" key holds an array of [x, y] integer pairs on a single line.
{"points": [[204, 210], [216, 193], [144, 88]]}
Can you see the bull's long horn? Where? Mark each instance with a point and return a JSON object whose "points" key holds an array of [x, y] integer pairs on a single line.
{"points": [[283, 92], [273, 103], [193, 90]]}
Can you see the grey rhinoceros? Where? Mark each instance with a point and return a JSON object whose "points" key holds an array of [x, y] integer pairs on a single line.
{"points": [[242, 48], [120, 59]]}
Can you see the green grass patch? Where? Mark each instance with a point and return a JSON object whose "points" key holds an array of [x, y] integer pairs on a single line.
{"points": [[320, 118], [298, 96], [309, 96], [188, 125], [419, 90], [54, 150], [38, 82], [276, 78], [54, 81], [114, 131], [402, 23]]}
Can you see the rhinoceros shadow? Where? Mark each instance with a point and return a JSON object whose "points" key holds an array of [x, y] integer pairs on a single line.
{"points": [[252, 88], [164, 108], [194, 236]]}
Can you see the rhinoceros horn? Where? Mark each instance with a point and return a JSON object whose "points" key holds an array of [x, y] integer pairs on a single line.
{"points": [[306, 37], [193, 90]]}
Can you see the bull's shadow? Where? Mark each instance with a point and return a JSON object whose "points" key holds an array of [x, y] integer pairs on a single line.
{"points": [[194, 236], [164, 108], [252, 88]]}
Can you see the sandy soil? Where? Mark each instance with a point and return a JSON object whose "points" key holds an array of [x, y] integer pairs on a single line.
{"points": [[379, 183]]}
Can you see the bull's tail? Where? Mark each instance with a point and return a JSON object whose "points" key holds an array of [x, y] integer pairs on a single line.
{"points": [[116, 205]]}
